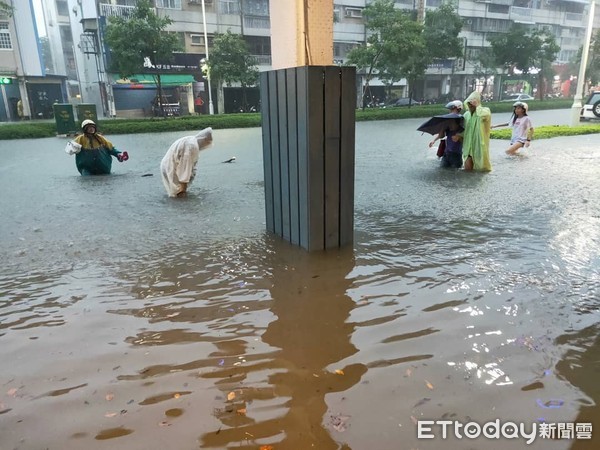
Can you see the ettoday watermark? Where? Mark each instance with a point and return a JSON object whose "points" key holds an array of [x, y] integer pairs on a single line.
{"points": [[431, 429]]}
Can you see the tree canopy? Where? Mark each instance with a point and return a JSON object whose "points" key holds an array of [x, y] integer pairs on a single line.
{"points": [[230, 62], [139, 36], [393, 37], [524, 50], [398, 46]]}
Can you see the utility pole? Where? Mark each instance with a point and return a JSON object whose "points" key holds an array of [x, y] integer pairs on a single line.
{"points": [[211, 109], [576, 108]]}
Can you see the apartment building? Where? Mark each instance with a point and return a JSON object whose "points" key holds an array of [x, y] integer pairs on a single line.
{"points": [[66, 53]]}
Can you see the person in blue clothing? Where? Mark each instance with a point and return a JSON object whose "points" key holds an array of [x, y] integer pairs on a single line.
{"points": [[452, 156], [93, 154]]}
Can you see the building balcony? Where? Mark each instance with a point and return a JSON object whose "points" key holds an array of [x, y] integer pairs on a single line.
{"points": [[524, 15], [107, 10], [262, 60], [257, 22]]}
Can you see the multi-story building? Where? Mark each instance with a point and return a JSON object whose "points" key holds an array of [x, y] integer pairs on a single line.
{"points": [[67, 59], [32, 81]]}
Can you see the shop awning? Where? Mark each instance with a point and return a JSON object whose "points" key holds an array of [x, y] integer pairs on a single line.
{"points": [[148, 79]]}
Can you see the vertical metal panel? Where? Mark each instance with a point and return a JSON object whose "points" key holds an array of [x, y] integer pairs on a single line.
{"points": [[282, 99], [308, 148], [275, 164], [292, 133], [302, 108], [316, 164], [265, 99], [347, 154], [332, 156]]}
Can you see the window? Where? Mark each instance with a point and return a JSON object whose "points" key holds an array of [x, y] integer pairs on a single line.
{"points": [[258, 45], [229, 7], [197, 39], [5, 42], [62, 8], [168, 4], [256, 7], [499, 9]]}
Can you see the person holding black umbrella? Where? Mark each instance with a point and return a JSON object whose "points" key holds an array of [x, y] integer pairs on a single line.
{"points": [[452, 133]]}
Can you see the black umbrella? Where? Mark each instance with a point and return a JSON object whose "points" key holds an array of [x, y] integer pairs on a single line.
{"points": [[440, 123]]}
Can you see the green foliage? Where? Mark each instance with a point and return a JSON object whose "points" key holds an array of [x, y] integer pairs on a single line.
{"points": [[522, 50], [550, 131], [393, 46], [33, 130], [593, 67], [131, 39], [230, 61], [442, 27], [27, 131]]}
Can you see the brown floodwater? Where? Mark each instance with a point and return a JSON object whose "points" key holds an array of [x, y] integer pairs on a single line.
{"points": [[129, 320]]}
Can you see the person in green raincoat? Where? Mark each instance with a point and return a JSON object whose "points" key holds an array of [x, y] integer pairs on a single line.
{"points": [[94, 156], [476, 137]]}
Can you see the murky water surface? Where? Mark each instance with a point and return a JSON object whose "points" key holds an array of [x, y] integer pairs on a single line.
{"points": [[129, 320]]}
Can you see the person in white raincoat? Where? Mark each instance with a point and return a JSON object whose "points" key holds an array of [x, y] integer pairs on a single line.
{"points": [[178, 166]]}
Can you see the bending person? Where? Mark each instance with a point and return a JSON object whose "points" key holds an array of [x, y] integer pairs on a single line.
{"points": [[178, 166], [476, 138]]}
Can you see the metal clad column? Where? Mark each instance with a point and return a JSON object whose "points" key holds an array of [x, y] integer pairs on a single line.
{"points": [[308, 109]]}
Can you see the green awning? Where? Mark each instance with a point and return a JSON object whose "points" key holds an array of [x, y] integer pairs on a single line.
{"points": [[144, 78]]}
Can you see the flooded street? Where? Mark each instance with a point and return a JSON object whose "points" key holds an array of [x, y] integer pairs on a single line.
{"points": [[132, 321]]}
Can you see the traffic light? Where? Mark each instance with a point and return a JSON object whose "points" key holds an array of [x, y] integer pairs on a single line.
{"points": [[5, 80]]}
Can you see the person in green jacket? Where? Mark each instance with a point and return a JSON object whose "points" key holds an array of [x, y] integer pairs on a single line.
{"points": [[95, 155], [476, 138]]}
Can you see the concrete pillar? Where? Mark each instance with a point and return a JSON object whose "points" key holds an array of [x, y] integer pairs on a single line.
{"points": [[301, 33]]}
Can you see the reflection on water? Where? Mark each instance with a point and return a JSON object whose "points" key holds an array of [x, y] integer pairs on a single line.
{"points": [[155, 324]]}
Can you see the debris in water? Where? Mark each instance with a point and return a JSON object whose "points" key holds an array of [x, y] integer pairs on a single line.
{"points": [[230, 160], [550, 404]]}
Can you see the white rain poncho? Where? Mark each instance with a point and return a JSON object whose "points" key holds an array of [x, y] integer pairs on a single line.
{"points": [[179, 163]]}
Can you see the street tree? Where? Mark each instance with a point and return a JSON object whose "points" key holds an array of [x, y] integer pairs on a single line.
{"points": [[393, 37], [441, 29], [522, 50], [593, 68], [230, 62], [139, 43], [484, 65]]}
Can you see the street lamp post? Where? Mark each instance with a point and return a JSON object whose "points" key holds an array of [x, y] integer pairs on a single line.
{"points": [[211, 109], [576, 108]]}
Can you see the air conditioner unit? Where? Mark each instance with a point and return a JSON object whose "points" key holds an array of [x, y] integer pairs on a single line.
{"points": [[353, 12]]}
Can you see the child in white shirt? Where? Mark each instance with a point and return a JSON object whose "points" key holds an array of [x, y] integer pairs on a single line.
{"points": [[522, 128]]}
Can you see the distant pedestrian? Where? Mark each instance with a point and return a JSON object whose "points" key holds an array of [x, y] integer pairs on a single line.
{"points": [[476, 138], [178, 166], [522, 128], [20, 109]]}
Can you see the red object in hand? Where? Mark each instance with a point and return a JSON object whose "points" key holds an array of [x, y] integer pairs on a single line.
{"points": [[124, 156], [120, 157]]}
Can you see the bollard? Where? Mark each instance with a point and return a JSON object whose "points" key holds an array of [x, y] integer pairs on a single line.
{"points": [[308, 125]]}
